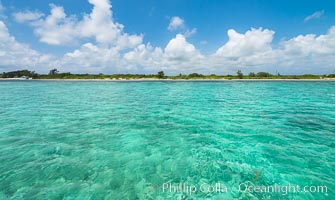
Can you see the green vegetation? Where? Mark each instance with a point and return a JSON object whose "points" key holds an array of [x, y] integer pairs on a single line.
{"points": [[252, 74], [239, 74], [19, 74], [55, 74], [263, 74], [160, 74]]}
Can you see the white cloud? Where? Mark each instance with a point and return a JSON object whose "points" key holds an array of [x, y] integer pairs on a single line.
{"points": [[176, 23], [56, 28], [315, 15], [308, 53], [146, 57], [188, 33], [305, 45], [254, 41], [178, 56], [100, 25], [60, 29], [182, 56], [11, 50], [90, 58], [27, 16], [179, 49], [252, 51]]}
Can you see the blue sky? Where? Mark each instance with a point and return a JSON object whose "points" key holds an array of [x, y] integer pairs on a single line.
{"points": [[266, 35]]}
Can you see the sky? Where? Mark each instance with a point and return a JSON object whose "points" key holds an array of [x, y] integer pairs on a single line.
{"points": [[176, 36]]}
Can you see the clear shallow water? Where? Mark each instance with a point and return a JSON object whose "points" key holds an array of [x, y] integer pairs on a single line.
{"points": [[108, 140]]}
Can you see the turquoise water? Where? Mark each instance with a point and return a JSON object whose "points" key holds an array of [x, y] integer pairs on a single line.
{"points": [[112, 140]]}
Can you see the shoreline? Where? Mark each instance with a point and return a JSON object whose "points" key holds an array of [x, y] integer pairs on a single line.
{"points": [[169, 80]]}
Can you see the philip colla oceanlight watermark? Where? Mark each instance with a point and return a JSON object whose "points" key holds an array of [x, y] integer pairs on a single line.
{"points": [[246, 187]]}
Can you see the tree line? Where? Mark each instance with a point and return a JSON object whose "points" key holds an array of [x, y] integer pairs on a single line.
{"points": [[55, 74]]}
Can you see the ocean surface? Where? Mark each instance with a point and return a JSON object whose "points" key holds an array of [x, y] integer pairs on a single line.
{"points": [[131, 140]]}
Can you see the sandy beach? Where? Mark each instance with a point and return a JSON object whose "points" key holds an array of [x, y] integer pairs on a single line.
{"points": [[166, 80]]}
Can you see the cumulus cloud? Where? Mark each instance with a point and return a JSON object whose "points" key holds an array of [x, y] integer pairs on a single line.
{"points": [[182, 56], [315, 15], [179, 49], [100, 25], [176, 23], [254, 41], [242, 50], [58, 28], [146, 57], [178, 55], [11, 50], [27, 16], [253, 51], [90, 58], [305, 45], [308, 52]]}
